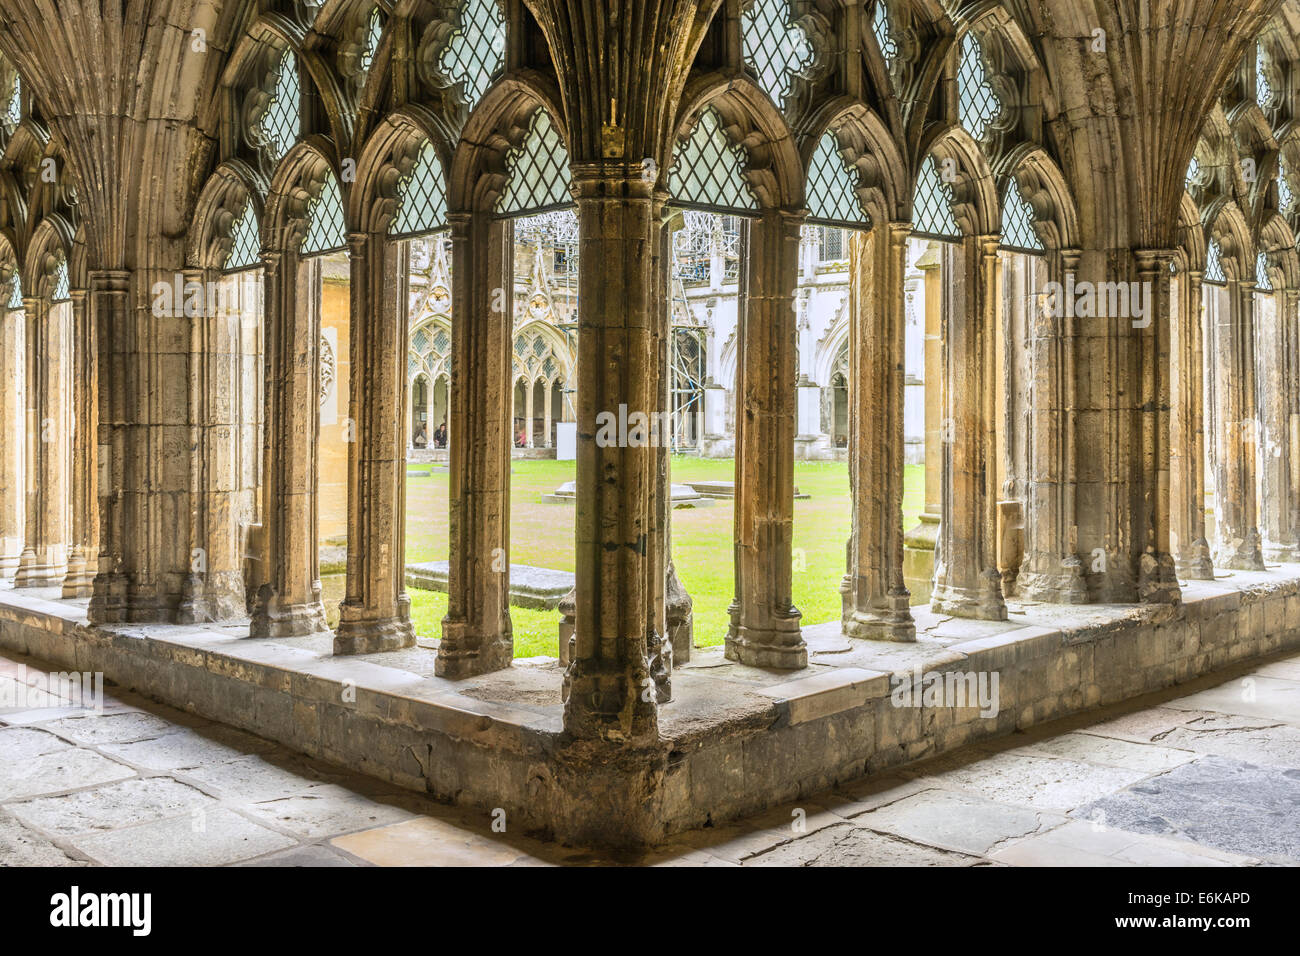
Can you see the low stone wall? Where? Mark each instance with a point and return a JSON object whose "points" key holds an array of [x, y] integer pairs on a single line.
{"points": [[734, 740]]}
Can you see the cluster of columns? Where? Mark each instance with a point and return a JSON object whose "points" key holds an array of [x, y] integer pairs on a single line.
{"points": [[49, 528]]}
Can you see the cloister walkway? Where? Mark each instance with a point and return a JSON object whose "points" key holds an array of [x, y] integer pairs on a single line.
{"points": [[1207, 774]]}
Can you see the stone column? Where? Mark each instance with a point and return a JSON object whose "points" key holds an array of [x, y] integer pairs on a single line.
{"points": [[376, 613], [966, 578], [214, 587], [612, 687], [919, 543], [1276, 345], [876, 601], [13, 437], [1187, 434], [765, 629], [1236, 537], [44, 560], [288, 602], [83, 555], [1051, 571], [1157, 580], [113, 596], [476, 633]]}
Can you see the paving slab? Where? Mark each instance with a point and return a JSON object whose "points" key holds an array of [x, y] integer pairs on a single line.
{"points": [[958, 821], [19, 846], [138, 800], [1215, 802], [326, 810], [848, 845], [1043, 783], [209, 838], [69, 769]]}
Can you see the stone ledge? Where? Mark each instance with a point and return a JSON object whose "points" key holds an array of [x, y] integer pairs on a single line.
{"points": [[824, 694]]}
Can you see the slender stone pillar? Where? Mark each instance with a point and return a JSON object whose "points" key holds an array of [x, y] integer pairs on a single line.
{"points": [[214, 589], [876, 601], [376, 613], [288, 603], [919, 543], [1187, 434], [765, 629], [476, 633], [1236, 537], [967, 582], [44, 560], [1276, 343], [611, 688], [83, 555], [1157, 579], [119, 498], [1051, 571], [13, 437]]}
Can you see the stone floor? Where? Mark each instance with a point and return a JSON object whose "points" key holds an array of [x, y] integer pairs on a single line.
{"points": [[1208, 775]]}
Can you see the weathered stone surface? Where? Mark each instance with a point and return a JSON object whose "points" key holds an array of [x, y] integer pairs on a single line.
{"points": [[19, 846], [106, 808], [957, 821], [204, 838], [58, 771], [325, 811], [1215, 802]]}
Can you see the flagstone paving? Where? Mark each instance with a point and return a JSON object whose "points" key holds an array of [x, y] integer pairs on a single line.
{"points": [[1206, 776]]}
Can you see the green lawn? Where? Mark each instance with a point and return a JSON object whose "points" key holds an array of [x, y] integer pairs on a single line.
{"points": [[541, 534]]}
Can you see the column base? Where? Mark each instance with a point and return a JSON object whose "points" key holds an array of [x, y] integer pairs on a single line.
{"points": [[602, 702], [1195, 564], [211, 599], [984, 603], [272, 619], [890, 621], [461, 654], [1282, 553], [918, 558], [782, 649], [1158, 580], [1064, 584], [363, 636], [1240, 554], [80, 579], [34, 572]]}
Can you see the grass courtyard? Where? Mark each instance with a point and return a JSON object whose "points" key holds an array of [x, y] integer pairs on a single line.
{"points": [[541, 534]]}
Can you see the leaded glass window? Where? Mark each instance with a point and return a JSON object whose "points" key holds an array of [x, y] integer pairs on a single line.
{"points": [[1193, 173], [977, 104], [932, 205], [1262, 282], [61, 291], [1214, 263], [832, 188], [246, 244], [422, 197], [830, 244], [1018, 230], [374, 32], [14, 108], [776, 48], [325, 232], [476, 49], [708, 168], [538, 171], [1285, 197], [1263, 89], [281, 123], [884, 36], [15, 291]]}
